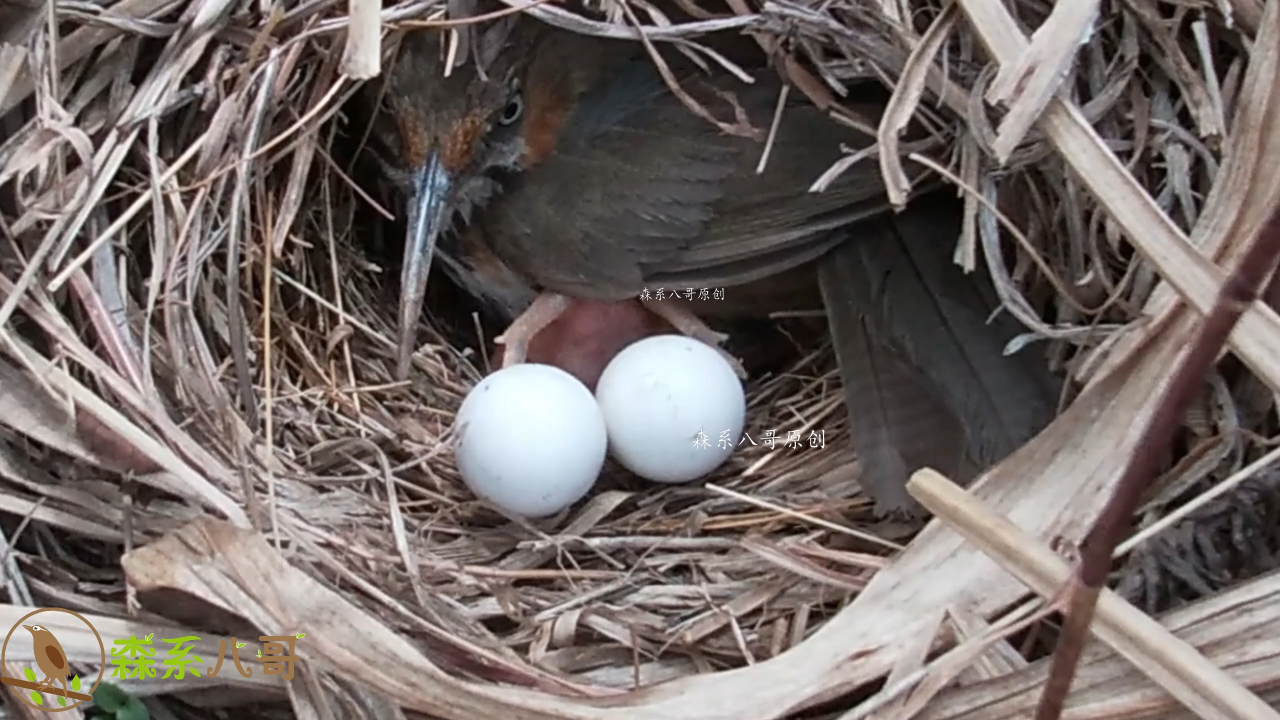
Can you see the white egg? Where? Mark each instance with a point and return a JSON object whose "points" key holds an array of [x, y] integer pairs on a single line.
{"points": [[673, 407], [530, 439]]}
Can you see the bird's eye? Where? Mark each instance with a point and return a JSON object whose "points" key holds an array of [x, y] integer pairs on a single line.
{"points": [[512, 111]]}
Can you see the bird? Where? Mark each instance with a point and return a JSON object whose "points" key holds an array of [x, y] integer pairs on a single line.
{"points": [[556, 177], [50, 657]]}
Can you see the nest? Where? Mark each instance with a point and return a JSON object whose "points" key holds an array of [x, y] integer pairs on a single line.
{"points": [[199, 341]]}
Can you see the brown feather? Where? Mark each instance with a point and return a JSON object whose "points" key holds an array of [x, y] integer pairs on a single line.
{"points": [[897, 278], [641, 192]]}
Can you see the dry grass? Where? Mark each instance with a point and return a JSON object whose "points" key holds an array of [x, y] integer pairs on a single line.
{"points": [[186, 307]]}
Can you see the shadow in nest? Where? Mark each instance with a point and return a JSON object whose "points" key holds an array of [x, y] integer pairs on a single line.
{"points": [[1232, 539]]}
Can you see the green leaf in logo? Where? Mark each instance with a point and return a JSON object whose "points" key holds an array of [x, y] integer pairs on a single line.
{"points": [[31, 674], [35, 698], [62, 701], [75, 683]]}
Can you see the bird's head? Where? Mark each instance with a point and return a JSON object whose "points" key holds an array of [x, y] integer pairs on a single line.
{"points": [[458, 131], [36, 630]]}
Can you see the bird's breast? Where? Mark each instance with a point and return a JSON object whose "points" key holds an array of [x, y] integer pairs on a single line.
{"points": [[474, 266]]}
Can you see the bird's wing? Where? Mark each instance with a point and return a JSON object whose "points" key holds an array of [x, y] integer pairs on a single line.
{"points": [[896, 424], [899, 286], [768, 221], [641, 190]]}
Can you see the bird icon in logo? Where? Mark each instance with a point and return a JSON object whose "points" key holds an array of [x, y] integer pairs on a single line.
{"points": [[50, 657]]}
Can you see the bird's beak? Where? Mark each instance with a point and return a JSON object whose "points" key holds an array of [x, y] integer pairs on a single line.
{"points": [[427, 214], [28, 627]]}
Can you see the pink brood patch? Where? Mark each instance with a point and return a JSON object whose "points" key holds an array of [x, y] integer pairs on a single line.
{"points": [[585, 338]]}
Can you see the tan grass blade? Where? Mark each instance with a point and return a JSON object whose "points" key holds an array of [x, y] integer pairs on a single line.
{"points": [[1026, 85], [18, 19], [362, 56], [1239, 630], [194, 484], [1257, 336], [1182, 671]]}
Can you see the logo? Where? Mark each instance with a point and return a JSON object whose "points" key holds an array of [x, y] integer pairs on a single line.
{"points": [[132, 658], [55, 676]]}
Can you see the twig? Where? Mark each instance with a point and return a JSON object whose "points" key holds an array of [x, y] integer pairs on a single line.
{"points": [[239, 199], [801, 516], [1168, 660], [1217, 491], [1238, 291], [362, 57], [740, 128]]}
